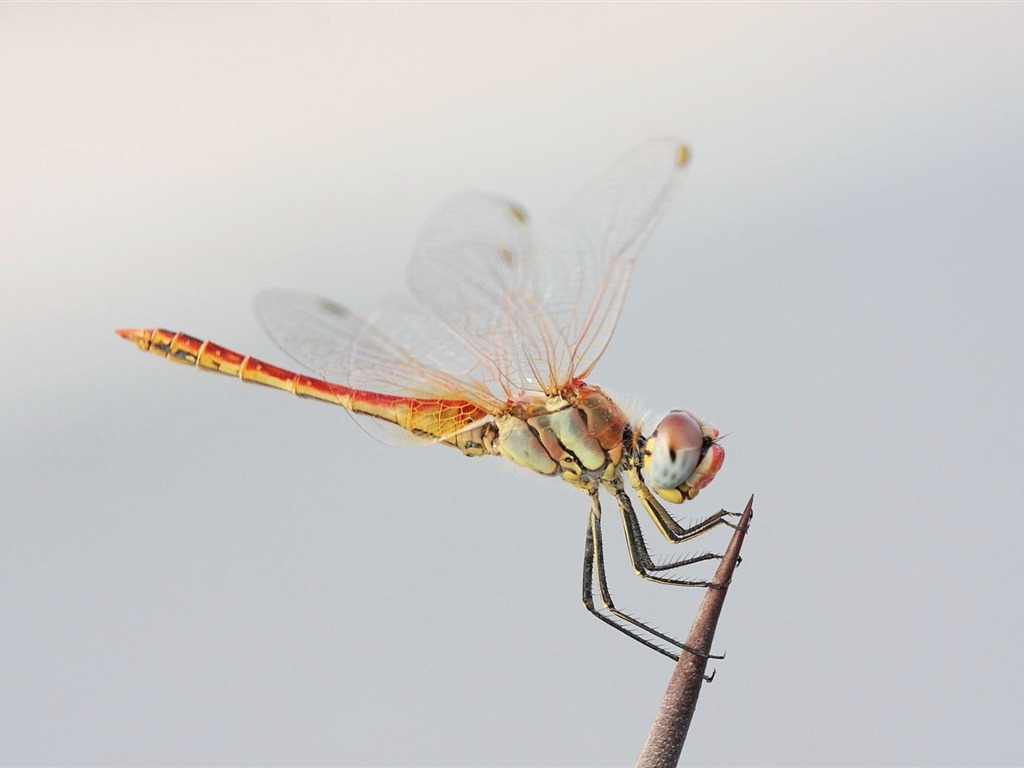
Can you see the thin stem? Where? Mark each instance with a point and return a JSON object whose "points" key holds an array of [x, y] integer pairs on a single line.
{"points": [[668, 732]]}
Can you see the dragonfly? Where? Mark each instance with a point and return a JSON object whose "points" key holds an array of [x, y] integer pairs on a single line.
{"points": [[491, 352]]}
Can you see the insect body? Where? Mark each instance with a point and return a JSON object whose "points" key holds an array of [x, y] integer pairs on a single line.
{"points": [[492, 358]]}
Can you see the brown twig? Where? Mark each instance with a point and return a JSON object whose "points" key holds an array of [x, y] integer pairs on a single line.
{"points": [[665, 740]]}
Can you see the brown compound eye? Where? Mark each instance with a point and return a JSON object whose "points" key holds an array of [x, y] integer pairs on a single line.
{"points": [[674, 450]]}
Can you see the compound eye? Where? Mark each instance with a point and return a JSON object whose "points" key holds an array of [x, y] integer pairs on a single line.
{"points": [[675, 450]]}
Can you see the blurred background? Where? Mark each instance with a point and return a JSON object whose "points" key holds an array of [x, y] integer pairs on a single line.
{"points": [[193, 571]]}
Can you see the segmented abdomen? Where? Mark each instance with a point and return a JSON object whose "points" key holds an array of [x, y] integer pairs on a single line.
{"points": [[444, 419]]}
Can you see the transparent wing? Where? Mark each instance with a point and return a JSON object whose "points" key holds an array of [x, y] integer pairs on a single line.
{"points": [[501, 308], [473, 266], [401, 350], [536, 309]]}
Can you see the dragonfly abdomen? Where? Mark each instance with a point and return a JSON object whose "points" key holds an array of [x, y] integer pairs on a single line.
{"points": [[448, 420], [188, 350]]}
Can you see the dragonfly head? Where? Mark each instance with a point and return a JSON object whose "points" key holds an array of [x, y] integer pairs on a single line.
{"points": [[682, 456]]}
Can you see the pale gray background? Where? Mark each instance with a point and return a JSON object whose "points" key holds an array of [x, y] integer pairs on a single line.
{"points": [[194, 571]]}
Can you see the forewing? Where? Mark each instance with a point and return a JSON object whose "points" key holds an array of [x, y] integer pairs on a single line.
{"points": [[585, 255], [537, 309]]}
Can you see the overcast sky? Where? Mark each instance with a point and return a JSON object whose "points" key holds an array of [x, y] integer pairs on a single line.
{"points": [[194, 571]]}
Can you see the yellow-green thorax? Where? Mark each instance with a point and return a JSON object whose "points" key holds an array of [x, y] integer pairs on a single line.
{"points": [[577, 434]]}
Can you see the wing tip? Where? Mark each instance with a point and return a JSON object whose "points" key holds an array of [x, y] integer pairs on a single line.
{"points": [[683, 155]]}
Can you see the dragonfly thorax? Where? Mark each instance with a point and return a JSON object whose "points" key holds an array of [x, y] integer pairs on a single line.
{"points": [[577, 434]]}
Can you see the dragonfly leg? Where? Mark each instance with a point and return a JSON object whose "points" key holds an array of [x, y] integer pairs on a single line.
{"points": [[593, 566], [641, 557], [667, 524]]}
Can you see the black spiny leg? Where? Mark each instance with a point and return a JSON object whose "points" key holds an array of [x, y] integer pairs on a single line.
{"points": [[640, 556], [593, 562]]}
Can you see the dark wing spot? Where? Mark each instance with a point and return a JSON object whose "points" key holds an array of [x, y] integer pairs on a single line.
{"points": [[672, 455], [332, 308], [518, 213]]}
